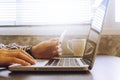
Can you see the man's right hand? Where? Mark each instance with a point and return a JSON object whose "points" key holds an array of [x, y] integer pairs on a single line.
{"points": [[8, 57]]}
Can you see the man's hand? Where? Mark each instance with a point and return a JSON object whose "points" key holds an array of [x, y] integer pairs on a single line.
{"points": [[46, 49], [8, 57]]}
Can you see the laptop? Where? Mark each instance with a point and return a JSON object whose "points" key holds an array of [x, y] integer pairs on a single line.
{"points": [[68, 63]]}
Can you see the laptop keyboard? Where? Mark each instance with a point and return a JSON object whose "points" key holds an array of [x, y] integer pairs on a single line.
{"points": [[64, 62]]}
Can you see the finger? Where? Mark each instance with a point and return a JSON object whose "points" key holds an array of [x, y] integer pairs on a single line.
{"points": [[55, 48], [60, 51], [25, 57], [59, 46], [51, 48], [21, 55], [27, 54], [13, 60], [60, 54], [22, 51], [55, 53], [54, 42]]}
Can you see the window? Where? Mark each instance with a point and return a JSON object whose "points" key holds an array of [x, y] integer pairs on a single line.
{"points": [[117, 11], [44, 12], [7, 12]]}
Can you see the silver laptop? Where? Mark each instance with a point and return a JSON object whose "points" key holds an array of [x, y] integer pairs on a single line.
{"points": [[73, 63]]}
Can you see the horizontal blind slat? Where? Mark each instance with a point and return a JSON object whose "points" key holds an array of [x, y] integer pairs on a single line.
{"points": [[29, 12]]}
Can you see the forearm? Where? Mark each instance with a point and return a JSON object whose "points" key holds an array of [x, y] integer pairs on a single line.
{"points": [[12, 46]]}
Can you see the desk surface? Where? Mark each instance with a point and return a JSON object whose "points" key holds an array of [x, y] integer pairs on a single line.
{"points": [[105, 68]]}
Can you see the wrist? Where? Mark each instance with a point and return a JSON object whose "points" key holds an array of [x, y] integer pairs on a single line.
{"points": [[29, 50]]}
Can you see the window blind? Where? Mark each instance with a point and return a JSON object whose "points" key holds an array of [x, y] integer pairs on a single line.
{"points": [[44, 12], [7, 12]]}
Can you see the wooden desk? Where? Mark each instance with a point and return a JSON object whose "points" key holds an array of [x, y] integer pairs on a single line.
{"points": [[105, 68]]}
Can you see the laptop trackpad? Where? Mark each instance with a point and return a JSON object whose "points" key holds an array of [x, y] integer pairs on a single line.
{"points": [[40, 62]]}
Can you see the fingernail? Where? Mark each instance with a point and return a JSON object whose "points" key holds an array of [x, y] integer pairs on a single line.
{"points": [[27, 64], [34, 61]]}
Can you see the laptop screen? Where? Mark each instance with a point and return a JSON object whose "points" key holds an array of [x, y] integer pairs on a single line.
{"points": [[94, 33]]}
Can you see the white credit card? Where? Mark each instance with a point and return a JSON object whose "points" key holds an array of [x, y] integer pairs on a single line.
{"points": [[61, 40], [62, 36]]}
